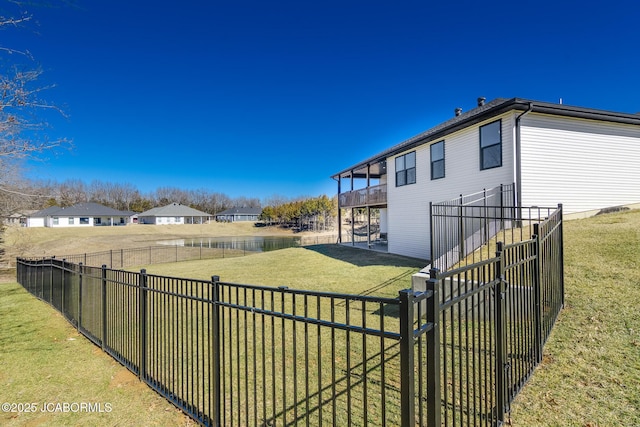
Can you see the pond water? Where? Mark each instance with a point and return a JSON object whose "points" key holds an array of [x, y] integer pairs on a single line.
{"points": [[249, 244]]}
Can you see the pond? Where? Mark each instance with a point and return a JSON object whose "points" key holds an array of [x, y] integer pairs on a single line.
{"points": [[245, 243]]}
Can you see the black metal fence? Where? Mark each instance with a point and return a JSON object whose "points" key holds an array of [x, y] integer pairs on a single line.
{"points": [[464, 230], [234, 354], [158, 254]]}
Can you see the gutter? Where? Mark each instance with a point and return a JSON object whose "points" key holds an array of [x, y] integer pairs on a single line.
{"points": [[518, 154]]}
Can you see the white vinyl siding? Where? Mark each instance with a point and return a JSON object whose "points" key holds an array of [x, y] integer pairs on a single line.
{"points": [[584, 164], [408, 206]]}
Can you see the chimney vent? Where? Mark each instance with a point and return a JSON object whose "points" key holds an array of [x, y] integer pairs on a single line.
{"points": [[481, 101], [458, 111]]}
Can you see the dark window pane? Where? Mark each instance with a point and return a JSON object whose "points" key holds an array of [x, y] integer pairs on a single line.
{"points": [[491, 157], [411, 176], [400, 178], [490, 134], [410, 160], [437, 169], [437, 151]]}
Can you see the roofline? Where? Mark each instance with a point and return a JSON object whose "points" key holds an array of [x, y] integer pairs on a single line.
{"points": [[513, 104]]}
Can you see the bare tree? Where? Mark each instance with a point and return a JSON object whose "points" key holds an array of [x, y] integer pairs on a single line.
{"points": [[23, 111]]}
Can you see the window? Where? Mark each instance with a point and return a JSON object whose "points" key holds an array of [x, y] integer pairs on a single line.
{"points": [[70, 220], [406, 169], [490, 146], [84, 220], [55, 220], [437, 160]]}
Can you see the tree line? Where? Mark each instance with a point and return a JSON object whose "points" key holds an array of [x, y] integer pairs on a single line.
{"points": [[316, 214], [33, 195], [313, 213]]}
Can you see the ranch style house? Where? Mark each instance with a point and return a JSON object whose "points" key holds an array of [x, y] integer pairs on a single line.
{"points": [[79, 215], [584, 158], [239, 214], [173, 213]]}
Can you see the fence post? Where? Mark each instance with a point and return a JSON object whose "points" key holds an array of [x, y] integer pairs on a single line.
{"points": [[142, 319], [79, 296], [215, 351], [461, 235], [561, 249], [407, 359], [537, 289], [434, 399], [51, 283], [500, 328], [63, 285], [104, 306]]}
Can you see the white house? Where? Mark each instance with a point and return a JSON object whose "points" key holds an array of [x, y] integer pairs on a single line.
{"points": [[79, 215], [586, 159], [173, 213], [239, 214]]}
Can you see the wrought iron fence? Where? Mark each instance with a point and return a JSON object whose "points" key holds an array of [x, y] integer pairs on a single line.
{"points": [[158, 254], [232, 354], [464, 230]]}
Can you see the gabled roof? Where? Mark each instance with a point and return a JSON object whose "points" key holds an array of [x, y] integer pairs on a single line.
{"points": [[490, 109], [241, 211], [79, 209], [174, 209], [45, 212]]}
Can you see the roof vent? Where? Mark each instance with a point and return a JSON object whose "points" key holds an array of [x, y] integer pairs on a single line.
{"points": [[481, 101], [458, 111]]}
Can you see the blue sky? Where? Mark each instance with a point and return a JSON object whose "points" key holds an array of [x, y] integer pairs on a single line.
{"points": [[256, 98]]}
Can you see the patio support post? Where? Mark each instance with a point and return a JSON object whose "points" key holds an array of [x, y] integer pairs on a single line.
{"points": [[339, 212]]}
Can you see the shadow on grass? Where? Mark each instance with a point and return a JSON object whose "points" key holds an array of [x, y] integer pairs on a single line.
{"points": [[389, 310], [364, 257]]}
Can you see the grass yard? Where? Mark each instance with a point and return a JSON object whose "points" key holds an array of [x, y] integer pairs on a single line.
{"points": [[45, 361], [590, 374], [328, 268]]}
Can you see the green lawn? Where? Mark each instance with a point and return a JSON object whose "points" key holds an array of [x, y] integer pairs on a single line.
{"points": [[590, 374], [45, 362]]}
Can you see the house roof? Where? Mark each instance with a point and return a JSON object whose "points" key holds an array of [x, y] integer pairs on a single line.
{"points": [[241, 211], [173, 209], [79, 209], [493, 108], [45, 212]]}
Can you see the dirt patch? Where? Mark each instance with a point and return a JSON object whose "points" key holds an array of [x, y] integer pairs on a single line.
{"points": [[125, 378]]}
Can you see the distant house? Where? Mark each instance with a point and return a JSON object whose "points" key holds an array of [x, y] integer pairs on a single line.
{"points": [[17, 218], [239, 214], [175, 213], [79, 215]]}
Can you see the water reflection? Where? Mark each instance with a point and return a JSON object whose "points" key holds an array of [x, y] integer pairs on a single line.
{"points": [[249, 244]]}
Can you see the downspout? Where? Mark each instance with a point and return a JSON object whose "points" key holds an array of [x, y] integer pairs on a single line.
{"points": [[518, 153]]}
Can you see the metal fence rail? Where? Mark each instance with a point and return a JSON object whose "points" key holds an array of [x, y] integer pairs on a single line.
{"points": [[463, 229], [149, 255], [234, 354]]}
